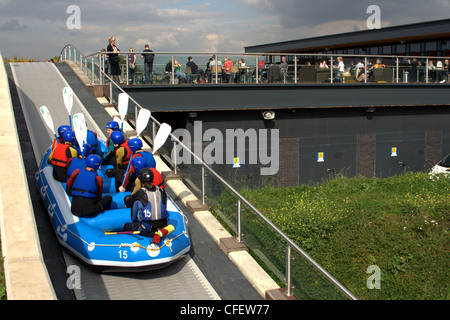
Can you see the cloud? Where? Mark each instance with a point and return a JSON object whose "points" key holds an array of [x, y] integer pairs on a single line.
{"points": [[13, 25], [195, 25], [301, 13]]}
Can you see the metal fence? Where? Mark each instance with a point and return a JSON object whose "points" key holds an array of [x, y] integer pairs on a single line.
{"points": [[259, 68], [284, 259]]}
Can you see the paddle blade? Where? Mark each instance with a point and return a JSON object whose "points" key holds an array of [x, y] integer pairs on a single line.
{"points": [[117, 119], [68, 98], [123, 105], [47, 118], [142, 120], [161, 136], [80, 128]]}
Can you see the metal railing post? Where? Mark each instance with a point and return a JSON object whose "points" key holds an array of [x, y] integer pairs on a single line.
{"points": [[93, 71], [172, 80], [153, 131], [288, 272], [216, 69], [257, 70], [331, 69], [295, 69], [239, 233], [127, 69], [203, 184], [426, 71], [397, 71], [174, 157], [365, 69]]}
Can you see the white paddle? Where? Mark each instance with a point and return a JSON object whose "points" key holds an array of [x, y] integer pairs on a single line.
{"points": [[117, 119], [142, 120], [161, 136], [48, 120], [123, 106], [68, 101], [141, 124], [80, 128]]}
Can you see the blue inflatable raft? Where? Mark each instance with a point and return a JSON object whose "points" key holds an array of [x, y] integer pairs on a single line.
{"points": [[97, 240]]}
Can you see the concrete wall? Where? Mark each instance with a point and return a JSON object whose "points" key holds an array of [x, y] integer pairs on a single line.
{"points": [[26, 276]]}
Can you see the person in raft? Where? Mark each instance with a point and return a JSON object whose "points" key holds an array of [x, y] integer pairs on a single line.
{"points": [[149, 209], [86, 189], [78, 162], [61, 130], [108, 156], [127, 182], [61, 155]]}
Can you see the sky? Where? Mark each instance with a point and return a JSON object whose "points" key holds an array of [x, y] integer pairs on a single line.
{"points": [[41, 28]]}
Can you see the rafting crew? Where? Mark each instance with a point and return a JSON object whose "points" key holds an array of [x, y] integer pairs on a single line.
{"points": [[61, 154], [86, 188], [149, 209]]}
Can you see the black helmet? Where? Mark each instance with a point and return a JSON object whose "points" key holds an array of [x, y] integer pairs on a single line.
{"points": [[145, 175]]}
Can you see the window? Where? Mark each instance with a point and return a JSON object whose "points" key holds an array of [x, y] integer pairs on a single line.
{"points": [[387, 50]]}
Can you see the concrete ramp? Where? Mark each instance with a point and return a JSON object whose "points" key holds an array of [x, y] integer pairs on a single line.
{"points": [[42, 84]]}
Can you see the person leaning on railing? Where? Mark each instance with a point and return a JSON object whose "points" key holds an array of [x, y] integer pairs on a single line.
{"points": [[114, 59], [148, 57]]}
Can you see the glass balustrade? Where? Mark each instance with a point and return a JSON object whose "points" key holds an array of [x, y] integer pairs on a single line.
{"points": [[268, 68]]}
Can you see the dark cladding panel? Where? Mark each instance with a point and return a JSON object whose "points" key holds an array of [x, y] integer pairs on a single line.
{"points": [[366, 155], [289, 162], [433, 148], [399, 152]]}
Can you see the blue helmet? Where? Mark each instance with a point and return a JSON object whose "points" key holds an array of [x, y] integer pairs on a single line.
{"points": [[138, 163], [69, 136], [117, 137], [86, 149], [135, 144], [113, 125], [93, 161], [63, 129]]}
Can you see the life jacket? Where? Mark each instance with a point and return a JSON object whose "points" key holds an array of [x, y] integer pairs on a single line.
{"points": [[85, 184], [61, 155], [158, 179], [128, 153], [56, 142], [154, 210], [74, 164], [109, 144]]}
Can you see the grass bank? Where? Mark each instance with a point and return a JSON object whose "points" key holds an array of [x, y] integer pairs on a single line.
{"points": [[399, 224]]}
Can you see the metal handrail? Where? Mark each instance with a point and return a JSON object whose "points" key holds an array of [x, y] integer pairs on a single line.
{"points": [[331, 56], [290, 243]]}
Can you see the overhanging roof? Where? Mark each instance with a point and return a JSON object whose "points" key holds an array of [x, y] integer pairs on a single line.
{"points": [[433, 30]]}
